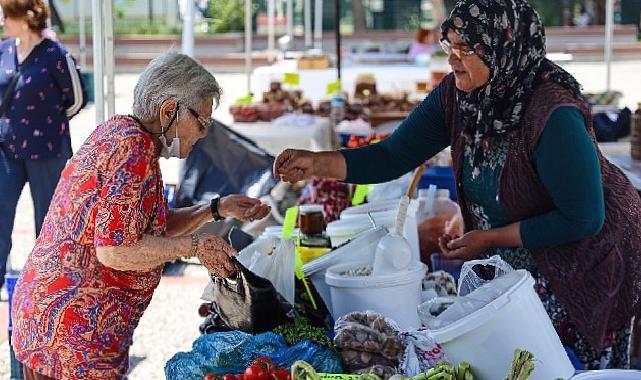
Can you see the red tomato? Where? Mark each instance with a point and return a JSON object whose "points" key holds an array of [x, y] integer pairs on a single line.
{"points": [[240, 377], [266, 363], [210, 376], [282, 374], [229, 377], [256, 372]]}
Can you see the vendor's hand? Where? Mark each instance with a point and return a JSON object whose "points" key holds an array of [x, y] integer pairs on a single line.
{"points": [[466, 247], [242, 208], [294, 165], [216, 255]]}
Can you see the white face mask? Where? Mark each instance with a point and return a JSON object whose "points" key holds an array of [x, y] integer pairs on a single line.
{"points": [[172, 150]]}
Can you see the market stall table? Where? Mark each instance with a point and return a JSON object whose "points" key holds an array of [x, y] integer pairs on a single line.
{"points": [[275, 138], [389, 78], [619, 154]]}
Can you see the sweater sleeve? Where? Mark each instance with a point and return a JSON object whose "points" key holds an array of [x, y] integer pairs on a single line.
{"points": [[66, 73], [569, 168], [419, 137]]}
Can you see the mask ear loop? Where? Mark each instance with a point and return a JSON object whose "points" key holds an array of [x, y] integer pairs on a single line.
{"points": [[164, 131]]}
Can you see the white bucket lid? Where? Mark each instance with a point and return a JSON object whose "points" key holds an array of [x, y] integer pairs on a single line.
{"points": [[384, 206], [345, 252], [333, 276], [515, 280], [302, 209], [608, 374], [276, 231], [348, 227]]}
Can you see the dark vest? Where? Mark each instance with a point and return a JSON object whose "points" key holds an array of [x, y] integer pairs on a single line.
{"points": [[598, 279]]}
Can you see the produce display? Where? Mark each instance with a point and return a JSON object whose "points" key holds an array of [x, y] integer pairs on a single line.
{"points": [[275, 103], [367, 340], [261, 369], [522, 365], [300, 330], [359, 141], [332, 194]]}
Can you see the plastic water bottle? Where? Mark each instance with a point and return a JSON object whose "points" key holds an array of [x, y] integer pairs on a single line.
{"points": [[337, 110]]}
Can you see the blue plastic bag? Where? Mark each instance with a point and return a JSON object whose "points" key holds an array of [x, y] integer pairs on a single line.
{"points": [[232, 352]]}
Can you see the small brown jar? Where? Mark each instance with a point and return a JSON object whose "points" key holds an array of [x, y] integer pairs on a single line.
{"points": [[311, 220]]}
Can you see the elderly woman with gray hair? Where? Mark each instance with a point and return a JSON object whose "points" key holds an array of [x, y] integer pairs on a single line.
{"points": [[108, 232]]}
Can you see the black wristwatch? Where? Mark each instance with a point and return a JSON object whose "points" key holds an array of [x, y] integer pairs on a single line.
{"points": [[213, 206]]}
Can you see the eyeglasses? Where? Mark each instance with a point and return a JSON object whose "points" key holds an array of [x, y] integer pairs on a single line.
{"points": [[459, 50], [205, 122]]}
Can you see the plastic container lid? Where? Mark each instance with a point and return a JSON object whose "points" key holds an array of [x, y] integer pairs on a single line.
{"points": [[304, 209], [384, 206], [608, 374], [333, 277], [348, 227]]}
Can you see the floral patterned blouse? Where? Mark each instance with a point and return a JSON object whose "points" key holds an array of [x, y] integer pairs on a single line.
{"points": [[73, 318]]}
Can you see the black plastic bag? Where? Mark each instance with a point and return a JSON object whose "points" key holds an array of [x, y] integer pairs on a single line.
{"points": [[247, 303], [223, 163]]}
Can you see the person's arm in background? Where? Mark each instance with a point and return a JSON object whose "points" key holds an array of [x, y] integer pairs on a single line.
{"points": [[66, 74], [419, 137]]}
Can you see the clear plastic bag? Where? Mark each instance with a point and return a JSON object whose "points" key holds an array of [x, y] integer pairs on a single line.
{"points": [[421, 353], [477, 273], [481, 282], [274, 260]]}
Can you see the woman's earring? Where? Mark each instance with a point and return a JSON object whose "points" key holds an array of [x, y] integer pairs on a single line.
{"points": [[25, 26]]}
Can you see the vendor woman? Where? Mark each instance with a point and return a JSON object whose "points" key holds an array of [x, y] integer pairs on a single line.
{"points": [[108, 232], [532, 184]]}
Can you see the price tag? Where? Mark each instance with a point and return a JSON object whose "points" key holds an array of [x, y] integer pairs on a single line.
{"points": [[337, 376], [359, 194], [292, 79], [245, 100], [333, 87]]}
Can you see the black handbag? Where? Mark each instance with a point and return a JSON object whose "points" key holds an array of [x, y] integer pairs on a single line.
{"points": [[247, 303]]}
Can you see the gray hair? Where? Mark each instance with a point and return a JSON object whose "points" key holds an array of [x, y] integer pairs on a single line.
{"points": [[173, 75]]}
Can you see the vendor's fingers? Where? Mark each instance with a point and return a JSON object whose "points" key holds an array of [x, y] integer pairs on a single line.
{"points": [[292, 176], [456, 243], [460, 253], [282, 162]]}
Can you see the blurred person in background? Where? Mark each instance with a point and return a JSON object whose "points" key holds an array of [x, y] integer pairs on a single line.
{"points": [[41, 90]]}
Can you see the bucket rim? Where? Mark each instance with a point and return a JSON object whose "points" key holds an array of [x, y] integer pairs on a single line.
{"points": [[415, 272], [483, 315]]}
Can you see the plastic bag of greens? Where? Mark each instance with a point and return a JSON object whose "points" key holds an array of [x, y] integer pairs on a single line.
{"points": [[232, 352]]}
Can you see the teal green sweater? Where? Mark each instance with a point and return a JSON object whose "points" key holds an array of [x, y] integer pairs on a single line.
{"points": [[565, 158]]}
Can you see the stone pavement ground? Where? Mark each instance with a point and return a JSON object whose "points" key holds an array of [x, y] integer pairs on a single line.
{"points": [[170, 324]]}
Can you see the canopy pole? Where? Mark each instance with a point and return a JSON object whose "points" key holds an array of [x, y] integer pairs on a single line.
{"points": [[98, 61], [248, 43], [609, 26]]}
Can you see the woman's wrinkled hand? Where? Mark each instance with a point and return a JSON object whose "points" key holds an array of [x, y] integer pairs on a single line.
{"points": [[242, 208], [294, 165], [467, 247], [216, 255]]}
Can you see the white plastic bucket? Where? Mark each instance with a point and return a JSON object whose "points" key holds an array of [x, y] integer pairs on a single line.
{"points": [[360, 249], [395, 296], [384, 214], [488, 337], [340, 231], [609, 374]]}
